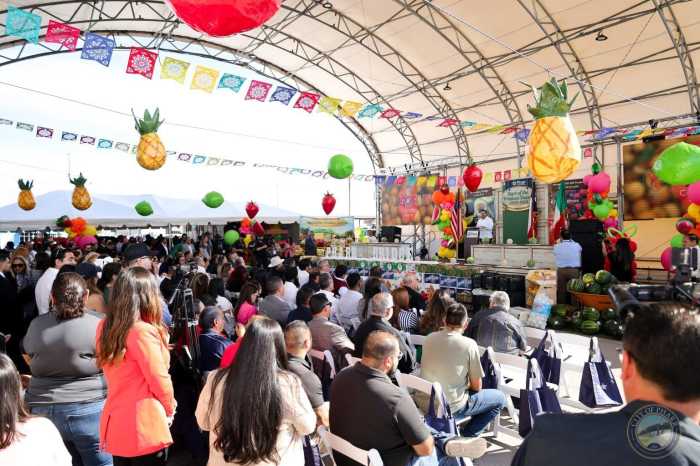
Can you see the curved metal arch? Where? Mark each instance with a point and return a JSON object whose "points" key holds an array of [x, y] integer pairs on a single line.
{"points": [[356, 32], [675, 33], [266, 69], [466, 48], [561, 43], [298, 48]]}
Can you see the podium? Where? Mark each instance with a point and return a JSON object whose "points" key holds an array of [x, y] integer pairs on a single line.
{"points": [[471, 237]]}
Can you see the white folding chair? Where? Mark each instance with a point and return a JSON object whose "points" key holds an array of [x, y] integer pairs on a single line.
{"points": [[334, 443], [351, 359], [497, 426], [413, 382], [416, 340]]}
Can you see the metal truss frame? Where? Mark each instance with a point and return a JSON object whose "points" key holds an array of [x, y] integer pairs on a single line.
{"points": [[675, 33]]}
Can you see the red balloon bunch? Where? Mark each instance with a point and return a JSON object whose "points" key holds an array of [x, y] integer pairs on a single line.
{"points": [[222, 18]]}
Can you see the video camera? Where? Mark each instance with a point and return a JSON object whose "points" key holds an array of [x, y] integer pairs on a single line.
{"points": [[184, 337]]}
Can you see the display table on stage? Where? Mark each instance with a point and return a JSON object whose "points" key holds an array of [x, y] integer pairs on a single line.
{"points": [[514, 255]]}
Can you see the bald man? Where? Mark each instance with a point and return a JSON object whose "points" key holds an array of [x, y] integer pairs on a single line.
{"points": [[369, 411]]}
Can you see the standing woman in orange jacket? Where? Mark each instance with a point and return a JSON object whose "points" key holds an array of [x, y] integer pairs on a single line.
{"points": [[133, 353]]}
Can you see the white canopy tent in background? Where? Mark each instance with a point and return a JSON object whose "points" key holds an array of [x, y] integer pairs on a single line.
{"points": [[116, 210]]}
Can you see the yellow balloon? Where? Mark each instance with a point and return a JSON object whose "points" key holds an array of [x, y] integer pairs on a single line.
{"points": [[247, 240], [694, 212], [445, 215], [613, 213], [90, 231]]}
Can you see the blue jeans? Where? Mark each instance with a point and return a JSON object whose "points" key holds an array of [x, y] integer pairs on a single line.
{"points": [[437, 457], [79, 425], [483, 406]]}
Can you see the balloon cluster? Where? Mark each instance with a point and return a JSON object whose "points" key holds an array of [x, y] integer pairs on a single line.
{"points": [[443, 212], [599, 206], [250, 227], [679, 166], [78, 230]]}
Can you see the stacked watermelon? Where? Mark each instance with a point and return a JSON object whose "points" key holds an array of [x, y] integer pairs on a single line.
{"points": [[590, 321], [597, 283], [612, 323], [559, 317]]}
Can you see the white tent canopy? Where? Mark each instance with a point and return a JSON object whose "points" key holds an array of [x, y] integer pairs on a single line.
{"points": [[115, 210]]}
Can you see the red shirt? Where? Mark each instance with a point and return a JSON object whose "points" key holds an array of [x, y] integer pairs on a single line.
{"points": [[230, 354]]}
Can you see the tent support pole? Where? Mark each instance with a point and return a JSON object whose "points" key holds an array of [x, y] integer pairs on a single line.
{"points": [[620, 194]]}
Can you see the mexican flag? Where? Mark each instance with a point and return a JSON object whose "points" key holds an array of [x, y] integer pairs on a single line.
{"points": [[559, 222]]}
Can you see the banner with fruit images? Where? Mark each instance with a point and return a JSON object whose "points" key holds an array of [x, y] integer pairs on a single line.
{"points": [[407, 200], [647, 197], [327, 227]]}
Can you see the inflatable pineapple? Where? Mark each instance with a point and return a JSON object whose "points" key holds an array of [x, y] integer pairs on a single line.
{"points": [[81, 196], [25, 200], [150, 153], [554, 152]]}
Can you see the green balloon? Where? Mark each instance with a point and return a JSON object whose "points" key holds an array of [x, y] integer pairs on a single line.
{"points": [[601, 211], [144, 209], [213, 200], [677, 241], [679, 164], [340, 166], [231, 237], [595, 168]]}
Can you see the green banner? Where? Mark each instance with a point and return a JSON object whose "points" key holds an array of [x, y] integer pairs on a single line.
{"points": [[517, 195]]}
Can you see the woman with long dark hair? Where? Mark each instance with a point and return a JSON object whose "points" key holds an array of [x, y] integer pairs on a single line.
{"points": [[66, 385], [239, 276], [434, 317], [132, 349], [264, 426], [25, 439], [373, 286], [621, 260], [246, 307], [108, 279]]}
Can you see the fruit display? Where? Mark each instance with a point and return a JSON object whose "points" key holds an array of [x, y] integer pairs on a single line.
{"points": [[588, 279], [590, 327], [554, 150], [597, 283], [594, 288], [556, 322], [150, 153], [81, 197], [576, 284], [25, 199], [590, 313], [648, 188]]}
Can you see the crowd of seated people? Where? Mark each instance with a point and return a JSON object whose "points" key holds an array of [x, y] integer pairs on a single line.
{"points": [[94, 364]]}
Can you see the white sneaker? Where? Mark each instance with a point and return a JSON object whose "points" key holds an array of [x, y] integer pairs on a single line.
{"points": [[466, 447]]}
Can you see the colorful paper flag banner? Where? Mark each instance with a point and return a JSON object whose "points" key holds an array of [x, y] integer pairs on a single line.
{"points": [[411, 115], [87, 140], [25, 126], [204, 79], [66, 136], [42, 132], [98, 48], [64, 34], [307, 101], [350, 108], [174, 69], [258, 90], [587, 153], [104, 144], [141, 61], [522, 134], [447, 122], [122, 146], [390, 113], [23, 24], [283, 95], [328, 104], [232, 82], [370, 111]]}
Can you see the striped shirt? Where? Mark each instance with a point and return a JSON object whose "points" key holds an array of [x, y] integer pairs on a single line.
{"points": [[408, 321]]}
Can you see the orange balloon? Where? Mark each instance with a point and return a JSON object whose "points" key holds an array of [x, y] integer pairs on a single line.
{"points": [[448, 231]]}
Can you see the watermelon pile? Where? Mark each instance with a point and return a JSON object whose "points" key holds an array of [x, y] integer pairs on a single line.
{"points": [[590, 321], [597, 283], [612, 323]]}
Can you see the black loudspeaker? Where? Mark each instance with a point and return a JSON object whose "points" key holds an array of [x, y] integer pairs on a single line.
{"points": [[476, 281], [390, 234], [589, 234], [488, 280]]}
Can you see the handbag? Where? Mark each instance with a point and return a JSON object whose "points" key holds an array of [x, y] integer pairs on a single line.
{"points": [[536, 399], [490, 378], [549, 355], [445, 422], [312, 455], [598, 385]]}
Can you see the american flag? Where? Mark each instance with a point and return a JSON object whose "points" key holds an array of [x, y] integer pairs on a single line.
{"points": [[532, 220]]}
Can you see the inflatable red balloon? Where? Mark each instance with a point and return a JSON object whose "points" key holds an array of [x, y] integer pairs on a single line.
{"points": [[221, 18], [684, 225], [328, 203], [472, 177], [252, 209], [666, 259], [258, 229]]}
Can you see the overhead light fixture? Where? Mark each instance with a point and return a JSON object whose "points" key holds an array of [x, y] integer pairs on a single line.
{"points": [[601, 37], [447, 87]]}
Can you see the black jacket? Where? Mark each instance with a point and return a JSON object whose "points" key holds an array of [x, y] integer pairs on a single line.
{"points": [[407, 364]]}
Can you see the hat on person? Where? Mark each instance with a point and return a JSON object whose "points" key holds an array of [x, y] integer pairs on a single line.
{"points": [[275, 262], [136, 251], [87, 270], [318, 302]]}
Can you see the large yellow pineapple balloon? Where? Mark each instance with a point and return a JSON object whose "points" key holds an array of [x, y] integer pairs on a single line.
{"points": [[150, 153], [25, 200], [81, 196], [554, 152]]}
